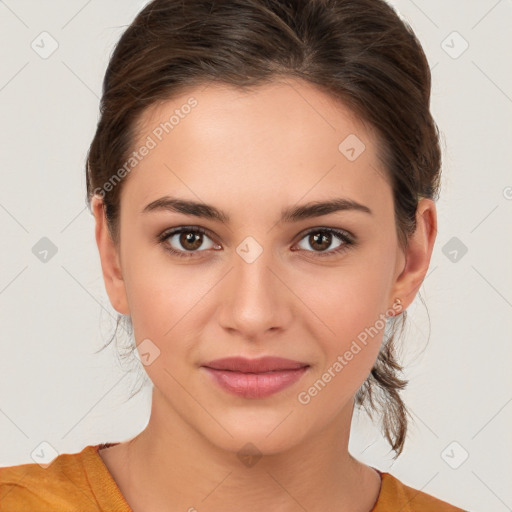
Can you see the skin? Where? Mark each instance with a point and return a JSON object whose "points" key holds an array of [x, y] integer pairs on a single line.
{"points": [[251, 154]]}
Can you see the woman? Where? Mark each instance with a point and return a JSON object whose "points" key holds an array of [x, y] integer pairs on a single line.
{"points": [[263, 179]]}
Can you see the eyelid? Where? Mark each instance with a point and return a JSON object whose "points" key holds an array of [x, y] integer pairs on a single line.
{"points": [[168, 233], [335, 231]]}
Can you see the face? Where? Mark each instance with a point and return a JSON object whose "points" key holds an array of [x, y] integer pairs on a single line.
{"points": [[313, 286]]}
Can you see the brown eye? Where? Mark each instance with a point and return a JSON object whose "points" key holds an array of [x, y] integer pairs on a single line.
{"points": [[187, 241], [321, 241], [190, 241]]}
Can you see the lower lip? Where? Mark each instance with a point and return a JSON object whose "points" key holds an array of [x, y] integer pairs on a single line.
{"points": [[255, 385]]}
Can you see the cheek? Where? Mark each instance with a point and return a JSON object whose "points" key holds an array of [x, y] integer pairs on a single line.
{"points": [[350, 346], [165, 298], [163, 305], [347, 299], [348, 323]]}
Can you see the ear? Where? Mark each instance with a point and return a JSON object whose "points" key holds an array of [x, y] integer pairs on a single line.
{"points": [[417, 254], [110, 259]]}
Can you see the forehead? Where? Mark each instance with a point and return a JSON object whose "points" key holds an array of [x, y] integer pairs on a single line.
{"points": [[228, 146]]}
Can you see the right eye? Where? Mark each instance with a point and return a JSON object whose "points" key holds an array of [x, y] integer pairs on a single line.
{"points": [[185, 241]]}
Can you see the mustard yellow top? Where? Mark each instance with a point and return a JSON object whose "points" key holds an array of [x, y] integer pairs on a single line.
{"points": [[82, 482]]}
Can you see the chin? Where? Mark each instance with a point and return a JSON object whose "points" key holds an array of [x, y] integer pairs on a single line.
{"points": [[261, 432]]}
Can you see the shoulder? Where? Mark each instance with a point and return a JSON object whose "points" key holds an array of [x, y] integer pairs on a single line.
{"points": [[60, 485], [395, 493]]}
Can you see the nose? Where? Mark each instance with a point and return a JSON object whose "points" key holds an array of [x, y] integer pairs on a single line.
{"points": [[255, 300]]}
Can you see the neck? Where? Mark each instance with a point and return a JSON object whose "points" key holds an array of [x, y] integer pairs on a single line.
{"points": [[171, 463]]}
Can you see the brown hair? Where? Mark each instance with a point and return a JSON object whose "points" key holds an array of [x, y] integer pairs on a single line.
{"points": [[358, 51]]}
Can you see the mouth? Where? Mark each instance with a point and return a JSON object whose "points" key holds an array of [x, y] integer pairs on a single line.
{"points": [[260, 365], [255, 378]]}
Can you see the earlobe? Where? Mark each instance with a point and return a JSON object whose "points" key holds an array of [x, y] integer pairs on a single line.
{"points": [[109, 258], [417, 254]]}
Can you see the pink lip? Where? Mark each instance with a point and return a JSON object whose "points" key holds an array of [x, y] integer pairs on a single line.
{"points": [[255, 378]]}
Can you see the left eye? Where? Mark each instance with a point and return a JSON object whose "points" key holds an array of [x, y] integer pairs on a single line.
{"points": [[323, 238]]}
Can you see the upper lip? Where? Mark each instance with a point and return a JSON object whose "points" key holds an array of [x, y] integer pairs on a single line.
{"points": [[262, 364]]}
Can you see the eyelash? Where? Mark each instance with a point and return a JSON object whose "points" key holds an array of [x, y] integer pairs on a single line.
{"points": [[342, 235]]}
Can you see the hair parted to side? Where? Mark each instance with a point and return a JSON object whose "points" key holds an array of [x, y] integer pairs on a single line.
{"points": [[358, 51]]}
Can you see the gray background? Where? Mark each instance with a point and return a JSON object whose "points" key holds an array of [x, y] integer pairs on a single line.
{"points": [[54, 312]]}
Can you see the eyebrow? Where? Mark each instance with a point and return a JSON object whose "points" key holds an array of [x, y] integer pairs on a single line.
{"points": [[288, 215]]}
